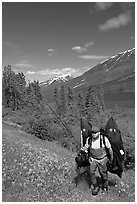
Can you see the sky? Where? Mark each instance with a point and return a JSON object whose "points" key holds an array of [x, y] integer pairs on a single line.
{"points": [[48, 39]]}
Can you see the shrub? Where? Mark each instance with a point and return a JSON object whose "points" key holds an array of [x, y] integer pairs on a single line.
{"points": [[40, 128], [130, 159]]}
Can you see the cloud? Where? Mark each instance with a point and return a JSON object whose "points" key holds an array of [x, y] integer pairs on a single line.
{"points": [[94, 57], [79, 49], [88, 44], [59, 72], [24, 64], [116, 22], [51, 51], [49, 72], [103, 5], [128, 5], [30, 72], [10, 45]]}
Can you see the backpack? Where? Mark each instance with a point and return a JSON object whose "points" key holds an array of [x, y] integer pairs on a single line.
{"points": [[82, 158], [114, 136], [86, 129]]}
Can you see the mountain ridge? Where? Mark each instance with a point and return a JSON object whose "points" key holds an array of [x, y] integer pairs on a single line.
{"points": [[58, 79], [116, 74]]}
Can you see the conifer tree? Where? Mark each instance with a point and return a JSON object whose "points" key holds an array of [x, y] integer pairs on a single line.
{"points": [[80, 105], [102, 101], [8, 87], [56, 100], [21, 90], [34, 96], [88, 97], [70, 96], [37, 91], [92, 103], [62, 101]]}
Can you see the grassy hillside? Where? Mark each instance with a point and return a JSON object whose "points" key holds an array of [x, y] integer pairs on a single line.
{"points": [[37, 170]]}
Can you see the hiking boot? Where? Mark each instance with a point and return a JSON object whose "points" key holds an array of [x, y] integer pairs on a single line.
{"points": [[105, 188], [105, 185], [95, 190]]}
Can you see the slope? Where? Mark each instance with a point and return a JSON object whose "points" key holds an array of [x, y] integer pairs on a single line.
{"points": [[36, 170], [116, 74]]}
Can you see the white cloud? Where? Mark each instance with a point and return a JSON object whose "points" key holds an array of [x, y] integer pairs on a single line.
{"points": [[88, 44], [79, 49], [24, 64], [116, 22], [51, 51], [59, 72], [10, 45], [30, 72], [103, 5], [49, 72], [94, 57]]}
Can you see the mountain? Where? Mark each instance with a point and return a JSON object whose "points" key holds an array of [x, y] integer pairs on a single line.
{"points": [[115, 69], [116, 75], [56, 80]]}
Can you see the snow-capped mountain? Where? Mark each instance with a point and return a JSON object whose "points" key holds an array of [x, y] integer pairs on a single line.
{"points": [[115, 74], [57, 79], [120, 66], [121, 56]]}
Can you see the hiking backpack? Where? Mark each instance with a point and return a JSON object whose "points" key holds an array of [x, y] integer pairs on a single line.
{"points": [[114, 136], [82, 158], [86, 129]]}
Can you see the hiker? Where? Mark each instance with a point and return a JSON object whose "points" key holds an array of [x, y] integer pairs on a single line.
{"points": [[98, 157]]}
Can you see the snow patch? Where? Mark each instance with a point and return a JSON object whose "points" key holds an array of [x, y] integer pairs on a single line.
{"points": [[78, 85], [62, 78], [104, 61]]}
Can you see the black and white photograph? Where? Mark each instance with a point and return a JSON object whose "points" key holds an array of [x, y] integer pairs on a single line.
{"points": [[68, 101]]}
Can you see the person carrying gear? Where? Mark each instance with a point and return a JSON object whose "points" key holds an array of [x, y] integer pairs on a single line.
{"points": [[98, 157]]}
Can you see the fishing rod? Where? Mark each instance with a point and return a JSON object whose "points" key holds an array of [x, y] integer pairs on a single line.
{"points": [[58, 117], [55, 114]]}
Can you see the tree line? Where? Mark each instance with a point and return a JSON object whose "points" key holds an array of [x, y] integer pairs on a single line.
{"points": [[86, 105], [16, 94]]}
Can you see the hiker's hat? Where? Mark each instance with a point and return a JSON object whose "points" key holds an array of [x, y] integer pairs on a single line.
{"points": [[95, 129]]}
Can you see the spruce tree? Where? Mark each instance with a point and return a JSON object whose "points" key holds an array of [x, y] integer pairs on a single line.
{"points": [[9, 87], [56, 101], [69, 96], [62, 101], [92, 103], [102, 101], [21, 90], [81, 105]]}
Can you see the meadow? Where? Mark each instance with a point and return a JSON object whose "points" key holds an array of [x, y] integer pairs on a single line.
{"points": [[37, 170]]}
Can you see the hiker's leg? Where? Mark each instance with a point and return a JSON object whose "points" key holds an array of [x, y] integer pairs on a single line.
{"points": [[102, 167], [93, 167]]}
